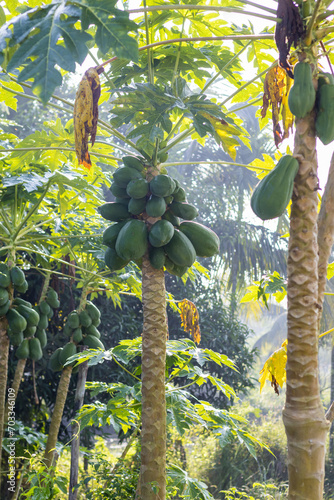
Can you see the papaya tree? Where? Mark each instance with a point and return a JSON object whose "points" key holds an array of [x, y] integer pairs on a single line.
{"points": [[157, 70]]}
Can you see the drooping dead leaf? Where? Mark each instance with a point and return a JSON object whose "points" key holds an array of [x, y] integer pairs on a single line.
{"points": [[288, 31], [275, 92], [190, 319], [86, 114]]}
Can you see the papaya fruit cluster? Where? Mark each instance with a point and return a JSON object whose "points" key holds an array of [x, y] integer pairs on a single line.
{"points": [[272, 194], [26, 324], [81, 327], [302, 98], [171, 244]]}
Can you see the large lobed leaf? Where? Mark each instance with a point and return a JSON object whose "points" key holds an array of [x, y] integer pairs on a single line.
{"points": [[45, 37]]}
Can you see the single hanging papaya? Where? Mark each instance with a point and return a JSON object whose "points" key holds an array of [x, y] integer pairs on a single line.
{"points": [[273, 193], [301, 97], [324, 123]]}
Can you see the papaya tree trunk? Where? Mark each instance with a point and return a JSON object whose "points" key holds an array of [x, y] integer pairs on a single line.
{"points": [[57, 415], [4, 350], [153, 434], [325, 243], [303, 415], [75, 444], [18, 375]]}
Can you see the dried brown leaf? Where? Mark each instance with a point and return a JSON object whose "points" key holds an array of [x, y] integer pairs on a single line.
{"points": [[86, 114], [190, 319], [288, 32], [275, 92]]}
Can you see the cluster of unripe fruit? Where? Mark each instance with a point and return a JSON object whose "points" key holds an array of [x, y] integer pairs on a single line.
{"points": [[26, 324], [170, 243], [81, 327]]}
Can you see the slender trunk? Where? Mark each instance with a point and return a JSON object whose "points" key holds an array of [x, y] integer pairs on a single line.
{"points": [[57, 415], [153, 435], [19, 371], [75, 445], [331, 436], [4, 350], [303, 415]]}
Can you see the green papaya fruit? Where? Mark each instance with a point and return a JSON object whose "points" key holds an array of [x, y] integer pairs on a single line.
{"points": [[35, 349], [17, 276], [324, 123], [156, 206], [44, 307], [168, 215], [184, 210], [16, 338], [92, 330], [4, 296], [77, 335], [133, 162], [157, 257], [22, 288], [123, 201], [137, 206], [302, 95], [68, 350], [29, 314], [131, 243], [52, 298], [54, 361], [204, 240], [22, 352], [162, 185], [93, 312], [124, 175], [110, 234], [29, 331], [18, 301], [42, 337], [118, 191], [180, 250], [113, 261], [5, 308], [17, 323], [114, 211], [272, 194], [85, 319], [4, 275], [180, 195], [73, 320], [137, 188], [93, 342], [161, 233], [43, 322]]}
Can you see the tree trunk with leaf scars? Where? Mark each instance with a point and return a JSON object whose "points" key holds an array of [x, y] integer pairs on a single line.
{"points": [[153, 435], [4, 349], [304, 419], [57, 415]]}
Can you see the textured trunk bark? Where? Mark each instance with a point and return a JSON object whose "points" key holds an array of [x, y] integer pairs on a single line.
{"points": [[57, 415], [305, 423], [153, 435], [4, 350], [19, 371], [331, 436], [75, 445]]}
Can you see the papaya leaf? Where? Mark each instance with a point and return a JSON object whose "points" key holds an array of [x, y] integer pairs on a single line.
{"points": [[37, 33], [46, 37], [274, 369]]}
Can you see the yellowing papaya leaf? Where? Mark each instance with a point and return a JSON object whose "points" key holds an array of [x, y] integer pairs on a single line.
{"points": [[86, 114], [330, 270], [275, 92], [274, 369], [190, 319], [262, 167]]}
